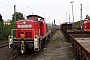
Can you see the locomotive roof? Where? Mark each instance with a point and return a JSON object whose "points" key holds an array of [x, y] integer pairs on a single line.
{"points": [[35, 16]]}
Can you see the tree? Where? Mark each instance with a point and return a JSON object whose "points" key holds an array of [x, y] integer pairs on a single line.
{"points": [[87, 17], [5, 31], [1, 20], [19, 16]]}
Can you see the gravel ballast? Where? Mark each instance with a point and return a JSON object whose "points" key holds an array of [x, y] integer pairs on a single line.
{"points": [[56, 49]]}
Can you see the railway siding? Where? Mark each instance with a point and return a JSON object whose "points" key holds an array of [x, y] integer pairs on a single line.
{"points": [[81, 44]]}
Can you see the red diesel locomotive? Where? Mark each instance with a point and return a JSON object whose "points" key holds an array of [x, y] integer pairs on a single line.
{"points": [[86, 25], [29, 33]]}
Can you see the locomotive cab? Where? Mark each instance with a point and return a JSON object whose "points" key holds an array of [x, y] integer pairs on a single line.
{"points": [[86, 25]]}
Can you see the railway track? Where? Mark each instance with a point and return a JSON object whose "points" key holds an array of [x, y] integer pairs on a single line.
{"points": [[3, 44], [12, 58], [31, 56], [23, 56], [80, 41]]}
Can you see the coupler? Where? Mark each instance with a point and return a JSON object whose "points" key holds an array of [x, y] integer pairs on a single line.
{"points": [[22, 47], [22, 50]]}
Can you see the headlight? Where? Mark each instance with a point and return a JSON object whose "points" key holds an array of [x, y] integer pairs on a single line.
{"points": [[81, 27], [10, 40], [85, 26], [35, 40]]}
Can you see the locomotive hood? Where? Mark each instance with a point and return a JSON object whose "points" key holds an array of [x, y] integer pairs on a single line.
{"points": [[24, 22]]}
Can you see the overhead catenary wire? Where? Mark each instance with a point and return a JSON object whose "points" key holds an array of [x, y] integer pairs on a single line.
{"points": [[6, 5], [16, 9]]}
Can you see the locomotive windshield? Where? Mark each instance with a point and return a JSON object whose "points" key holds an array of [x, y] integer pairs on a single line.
{"points": [[35, 18]]}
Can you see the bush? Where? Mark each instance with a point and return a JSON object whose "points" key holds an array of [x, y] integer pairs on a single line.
{"points": [[6, 30]]}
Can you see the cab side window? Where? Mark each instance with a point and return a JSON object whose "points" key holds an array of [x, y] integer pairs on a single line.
{"points": [[29, 18], [88, 20], [36, 18]]}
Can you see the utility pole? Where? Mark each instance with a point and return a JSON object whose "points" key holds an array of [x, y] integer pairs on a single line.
{"points": [[69, 18], [63, 19], [80, 15], [54, 21], [72, 14], [66, 17], [14, 12]]}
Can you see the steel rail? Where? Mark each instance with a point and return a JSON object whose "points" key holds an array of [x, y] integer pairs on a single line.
{"points": [[12, 58], [3, 44]]}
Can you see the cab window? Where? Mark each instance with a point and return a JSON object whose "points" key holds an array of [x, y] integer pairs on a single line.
{"points": [[88, 20], [29, 18], [36, 18]]}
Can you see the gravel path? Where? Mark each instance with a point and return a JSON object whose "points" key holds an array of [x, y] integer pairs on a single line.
{"points": [[56, 49]]}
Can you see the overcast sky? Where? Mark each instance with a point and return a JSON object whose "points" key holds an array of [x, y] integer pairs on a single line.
{"points": [[50, 9]]}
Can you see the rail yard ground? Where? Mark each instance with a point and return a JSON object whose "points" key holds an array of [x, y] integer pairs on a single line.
{"points": [[6, 53], [57, 48]]}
